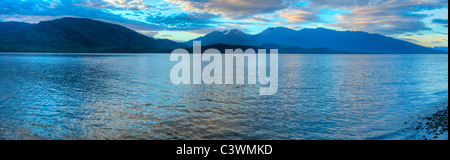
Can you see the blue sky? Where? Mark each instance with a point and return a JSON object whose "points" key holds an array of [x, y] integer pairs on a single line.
{"points": [[423, 22]]}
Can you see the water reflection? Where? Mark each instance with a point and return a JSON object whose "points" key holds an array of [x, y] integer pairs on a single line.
{"points": [[114, 96]]}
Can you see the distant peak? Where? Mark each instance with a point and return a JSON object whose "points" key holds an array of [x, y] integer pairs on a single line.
{"points": [[322, 28], [319, 29], [214, 33], [281, 28], [234, 31], [277, 29]]}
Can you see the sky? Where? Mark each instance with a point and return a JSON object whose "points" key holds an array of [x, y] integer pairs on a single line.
{"points": [[424, 22]]}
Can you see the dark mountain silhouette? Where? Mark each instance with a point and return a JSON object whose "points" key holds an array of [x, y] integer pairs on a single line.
{"points": [[281, 49], [348, 41], [223, 47], [78, 35], [234, 36], [441, 48], [273, 35], [7, 27], [81, 35]]}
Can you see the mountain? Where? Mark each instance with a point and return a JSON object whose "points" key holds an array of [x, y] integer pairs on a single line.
{"points": [[81, 35], [223, 47], [7, 27], [281, 49], [445, 49], [235, 37], [272, 35], [78, 35], [348, 41]]}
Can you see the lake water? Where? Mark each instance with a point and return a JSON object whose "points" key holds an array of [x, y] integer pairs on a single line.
{"points": [[117, 96]]}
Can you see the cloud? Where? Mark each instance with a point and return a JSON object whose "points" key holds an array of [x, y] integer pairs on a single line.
{"points": [[295, 27], [380, 21], [443, 22], [388, 17], [94, 4], [113, 11], [257, 19], [35, 11], [183, 21], [409, 39], [297, 16], [370, 4], [234, 8], [115, 4], [51, 8], [382, 16], [148, 33]]}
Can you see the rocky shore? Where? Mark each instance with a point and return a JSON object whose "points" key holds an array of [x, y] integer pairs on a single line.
{"points": [[435, 126]]}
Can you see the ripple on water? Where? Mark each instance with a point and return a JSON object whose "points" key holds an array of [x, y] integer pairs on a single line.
{"points": [[58, 96]]}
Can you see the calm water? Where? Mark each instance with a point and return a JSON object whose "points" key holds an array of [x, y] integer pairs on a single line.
{"points": [[111, 96]]}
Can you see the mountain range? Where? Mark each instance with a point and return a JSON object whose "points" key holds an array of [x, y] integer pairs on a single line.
{"points": [[441, 48], [81, 35], [349, 41]]}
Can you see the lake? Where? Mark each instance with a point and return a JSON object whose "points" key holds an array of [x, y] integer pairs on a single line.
{"points": [[130, 96]]}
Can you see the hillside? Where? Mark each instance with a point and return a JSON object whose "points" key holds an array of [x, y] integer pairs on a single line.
{"points": [[79, 35], [281, 50], [349, 41]]}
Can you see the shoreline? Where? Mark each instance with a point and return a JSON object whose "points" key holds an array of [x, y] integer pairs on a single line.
{"points": [[435, 125]]}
